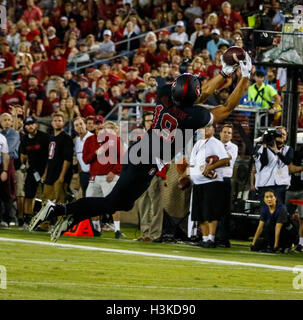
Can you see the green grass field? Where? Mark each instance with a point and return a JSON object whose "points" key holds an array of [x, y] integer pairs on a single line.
{"points": [[37, 271]]}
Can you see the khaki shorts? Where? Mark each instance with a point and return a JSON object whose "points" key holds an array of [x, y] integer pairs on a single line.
{"points": [[56, 192], [20, 179]]}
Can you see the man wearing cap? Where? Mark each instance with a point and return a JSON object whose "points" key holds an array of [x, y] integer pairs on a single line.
{"points": [[178, 38], [62, 29], [83, 87], [80, 58], [33, 155], [84, 107], [35, 96], [213, 45], [7, 64], [106, 47], [11, 98], [103, 176], [229, 17], [198, 31]]}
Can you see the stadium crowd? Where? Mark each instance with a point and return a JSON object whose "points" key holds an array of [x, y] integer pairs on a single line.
{"points": [[66, 65]]}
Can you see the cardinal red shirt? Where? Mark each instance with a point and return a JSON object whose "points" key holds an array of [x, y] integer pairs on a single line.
{"points": [[35, 94], [57, 65], [17, 97], [40, 70], [151, 97], [49, 107], [6, 60], [229, 20], [132, 85], [34, 13], [114, 149], [88, 110]]}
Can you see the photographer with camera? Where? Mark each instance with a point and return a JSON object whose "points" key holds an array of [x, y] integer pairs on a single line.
{"points": [[271, 164]]}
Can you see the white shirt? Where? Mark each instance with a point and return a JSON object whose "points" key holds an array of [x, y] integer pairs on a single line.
{"points": [[79, 144], [3, 146], [182, 37], [194, 36], [203, 149], [232, 150], [274, 173]]}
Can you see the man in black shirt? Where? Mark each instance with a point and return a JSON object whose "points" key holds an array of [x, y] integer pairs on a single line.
{"points": [[295, 192], [174, 114], [33, 150], [58, 171]]}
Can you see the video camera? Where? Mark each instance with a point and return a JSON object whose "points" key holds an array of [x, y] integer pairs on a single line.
{"points": [[270, 135]]}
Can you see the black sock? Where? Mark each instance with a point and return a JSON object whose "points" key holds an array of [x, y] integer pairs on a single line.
{"points": [[27, 218]]}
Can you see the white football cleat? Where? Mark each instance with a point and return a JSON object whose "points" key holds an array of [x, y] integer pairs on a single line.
{"points": [[42, 215]]}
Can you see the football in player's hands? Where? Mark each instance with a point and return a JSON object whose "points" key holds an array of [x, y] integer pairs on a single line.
{"points": [[233, 55], [212, 174]]}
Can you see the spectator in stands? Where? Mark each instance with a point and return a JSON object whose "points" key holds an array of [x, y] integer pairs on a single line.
{"points": [[83, 87], [100, 103], [33, 156], [90, 126], [71, 84], [228, 17], [205, 207], [58, 172], [198, 23], [194, 11], [213, 45], [212, 20], [23, 56], [163, 77], [73, 30], [226, 135], [7, 65], [13, 38], [83, 134], [86, 25], [50, 104], [39, 67], [133, 80], [106, 47], [35, 96], [4, 195], [271, 166], [32, 12], [272, 234], [202, 40], [84, 107], [128, 47], [11, 98], [81, 58], [179, 37]]}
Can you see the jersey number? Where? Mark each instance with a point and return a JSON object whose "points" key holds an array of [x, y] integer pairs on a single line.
{"points": [[168, 124]]}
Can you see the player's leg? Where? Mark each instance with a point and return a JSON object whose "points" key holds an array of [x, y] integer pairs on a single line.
{"points": [[134, 180]]}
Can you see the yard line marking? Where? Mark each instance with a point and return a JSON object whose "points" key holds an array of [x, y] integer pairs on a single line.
{"points": [[150, 254]]}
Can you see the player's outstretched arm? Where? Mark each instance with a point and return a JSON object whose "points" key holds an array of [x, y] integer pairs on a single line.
{"points": [[213, 84], [222, 112]]}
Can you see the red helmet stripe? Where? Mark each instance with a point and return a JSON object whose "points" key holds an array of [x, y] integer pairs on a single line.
{"points": [[185, 87]]}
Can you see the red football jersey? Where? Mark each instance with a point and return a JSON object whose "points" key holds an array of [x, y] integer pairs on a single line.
{"points": [[7, 60], [11, 100]]}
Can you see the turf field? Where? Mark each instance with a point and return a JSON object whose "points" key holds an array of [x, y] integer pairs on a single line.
{"points": [[106, 268]]}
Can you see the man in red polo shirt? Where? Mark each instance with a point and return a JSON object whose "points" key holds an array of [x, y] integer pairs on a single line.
{"points": [[12, 97], [32, 12], [133, 80], [104, 144], [84, 107], [35, 97]]}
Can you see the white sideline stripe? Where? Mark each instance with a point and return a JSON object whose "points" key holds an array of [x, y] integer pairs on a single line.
{"points": [[150, 254]]}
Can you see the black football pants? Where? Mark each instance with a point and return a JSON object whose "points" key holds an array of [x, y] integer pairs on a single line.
{"points": [[133, 182]]}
